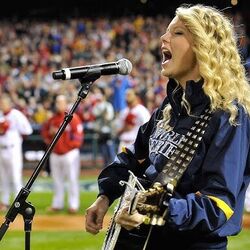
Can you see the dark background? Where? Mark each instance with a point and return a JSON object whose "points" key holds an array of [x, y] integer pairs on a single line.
{"points": [[64, 9], [68, 8]]}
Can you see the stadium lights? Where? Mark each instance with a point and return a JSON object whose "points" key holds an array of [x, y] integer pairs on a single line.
{"points": [[234, 2]]}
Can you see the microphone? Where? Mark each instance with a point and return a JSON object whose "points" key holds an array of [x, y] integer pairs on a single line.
{"points": [[122, 67]]}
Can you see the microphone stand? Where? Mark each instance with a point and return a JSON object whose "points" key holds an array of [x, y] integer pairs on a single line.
{"points": [[20, 205]]}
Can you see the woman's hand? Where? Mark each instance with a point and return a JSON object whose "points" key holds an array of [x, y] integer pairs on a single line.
{"points": [[129, 221], [95, 214]]}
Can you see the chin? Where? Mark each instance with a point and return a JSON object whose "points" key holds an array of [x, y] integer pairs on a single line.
{"points": [[166, 73]]}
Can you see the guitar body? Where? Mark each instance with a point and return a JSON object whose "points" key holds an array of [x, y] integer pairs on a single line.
{"points": [[132, 240], [117, 237], [148, 202]]}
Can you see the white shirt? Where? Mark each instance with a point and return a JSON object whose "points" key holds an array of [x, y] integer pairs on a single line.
{"points": [[19, 125], [140, 115]]}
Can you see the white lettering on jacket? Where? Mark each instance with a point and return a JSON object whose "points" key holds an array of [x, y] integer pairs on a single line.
{"points": [[164, 142]]}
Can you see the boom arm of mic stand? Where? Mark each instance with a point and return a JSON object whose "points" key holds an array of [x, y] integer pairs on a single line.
{"points": [[20, 205]]}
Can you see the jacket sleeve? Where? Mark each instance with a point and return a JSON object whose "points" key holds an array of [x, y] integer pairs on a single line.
{"points": [[128, 159], [225, 169]]}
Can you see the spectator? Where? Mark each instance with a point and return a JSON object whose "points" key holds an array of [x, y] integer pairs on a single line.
{"points": [[14, 126], [41, 114], [119, 85], [130, 119], [104, 116], [65, 159]]}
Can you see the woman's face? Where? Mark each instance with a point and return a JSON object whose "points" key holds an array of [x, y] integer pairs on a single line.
{"points": [[179, 61]]}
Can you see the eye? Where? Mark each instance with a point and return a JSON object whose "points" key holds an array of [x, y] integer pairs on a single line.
{"points": [[178, 33]]}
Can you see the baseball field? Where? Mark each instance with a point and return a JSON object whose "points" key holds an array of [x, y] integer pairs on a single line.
{"points": [[62, 231]]}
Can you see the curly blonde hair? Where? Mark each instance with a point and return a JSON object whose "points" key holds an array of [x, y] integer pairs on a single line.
{"points": [[220, 64]]}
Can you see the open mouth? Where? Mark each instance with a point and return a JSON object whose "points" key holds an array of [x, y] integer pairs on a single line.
{"points": [[166, 56]]}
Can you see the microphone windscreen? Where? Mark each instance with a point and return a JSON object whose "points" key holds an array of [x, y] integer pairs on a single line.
{"points": [[125, 66]]}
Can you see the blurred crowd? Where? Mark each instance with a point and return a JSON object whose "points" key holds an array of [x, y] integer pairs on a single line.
{"points": [[31, 50]]}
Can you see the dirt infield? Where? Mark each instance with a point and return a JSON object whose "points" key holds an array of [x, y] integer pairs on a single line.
{"points": [[68, 222], [53, 223]]}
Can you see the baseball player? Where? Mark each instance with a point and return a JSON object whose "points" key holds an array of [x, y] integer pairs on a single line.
{"points": [[14, 125], [65, 157], [130, 119]]}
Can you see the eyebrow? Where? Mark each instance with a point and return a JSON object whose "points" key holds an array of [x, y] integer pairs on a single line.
{"points": [[175, 27]]}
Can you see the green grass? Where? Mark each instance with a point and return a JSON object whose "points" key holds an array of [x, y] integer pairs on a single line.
{"points": [[43, 200], [241, 241], [79, 240]]}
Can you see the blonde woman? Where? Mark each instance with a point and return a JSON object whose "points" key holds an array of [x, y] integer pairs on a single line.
{"points": [[201, 60]]}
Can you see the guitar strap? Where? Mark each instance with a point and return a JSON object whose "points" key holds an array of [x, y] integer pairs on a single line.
{"points": [[185, 151]]}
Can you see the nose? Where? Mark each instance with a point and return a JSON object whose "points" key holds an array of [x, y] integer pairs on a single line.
{"points": [[165, 37]]}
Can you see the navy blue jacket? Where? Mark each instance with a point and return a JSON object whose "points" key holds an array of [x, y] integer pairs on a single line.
{"points": [[209, 198]]}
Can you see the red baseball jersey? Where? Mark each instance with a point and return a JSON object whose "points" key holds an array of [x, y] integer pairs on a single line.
{"points": [[71, 138]]}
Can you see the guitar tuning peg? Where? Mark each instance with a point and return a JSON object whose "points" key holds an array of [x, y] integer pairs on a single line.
{"points": [[170, 187], [153, 220], [157, 184], [160, 221]]}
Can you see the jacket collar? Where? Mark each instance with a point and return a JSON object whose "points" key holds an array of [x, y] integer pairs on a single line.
{"points": [[194, 94]]}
